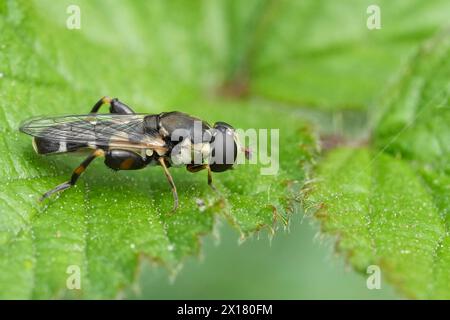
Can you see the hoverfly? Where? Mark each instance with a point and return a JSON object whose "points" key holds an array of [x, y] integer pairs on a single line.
{"points": [[131, 141]]}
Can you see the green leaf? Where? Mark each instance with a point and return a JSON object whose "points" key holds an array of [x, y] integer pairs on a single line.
{"points": [[157, 56], [328, 58], [414, 118], [389, 205]]}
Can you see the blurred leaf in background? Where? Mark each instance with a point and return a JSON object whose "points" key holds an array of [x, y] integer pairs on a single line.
{"points": [[389, 206], [320, 53]]}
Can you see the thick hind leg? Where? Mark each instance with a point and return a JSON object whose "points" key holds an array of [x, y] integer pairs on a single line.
{"points": [[75, 175], [115, 106]]}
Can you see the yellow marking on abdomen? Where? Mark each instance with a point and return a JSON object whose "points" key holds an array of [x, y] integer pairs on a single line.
{"points": [[127, 164]]}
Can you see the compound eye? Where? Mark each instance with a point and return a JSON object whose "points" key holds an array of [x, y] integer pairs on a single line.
{"points": [[223, 126], [224, 148]]}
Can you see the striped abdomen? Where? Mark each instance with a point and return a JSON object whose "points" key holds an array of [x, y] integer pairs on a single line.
{"points": [[45, 146]]}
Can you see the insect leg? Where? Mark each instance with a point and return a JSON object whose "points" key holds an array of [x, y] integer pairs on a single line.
{"points": [[75, 175], [115, 106], [210, 178], [172, 184], [99, 103], [197, 168]]}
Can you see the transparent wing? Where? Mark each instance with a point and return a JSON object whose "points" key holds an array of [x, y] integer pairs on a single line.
{"points": [[112, 130]]}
